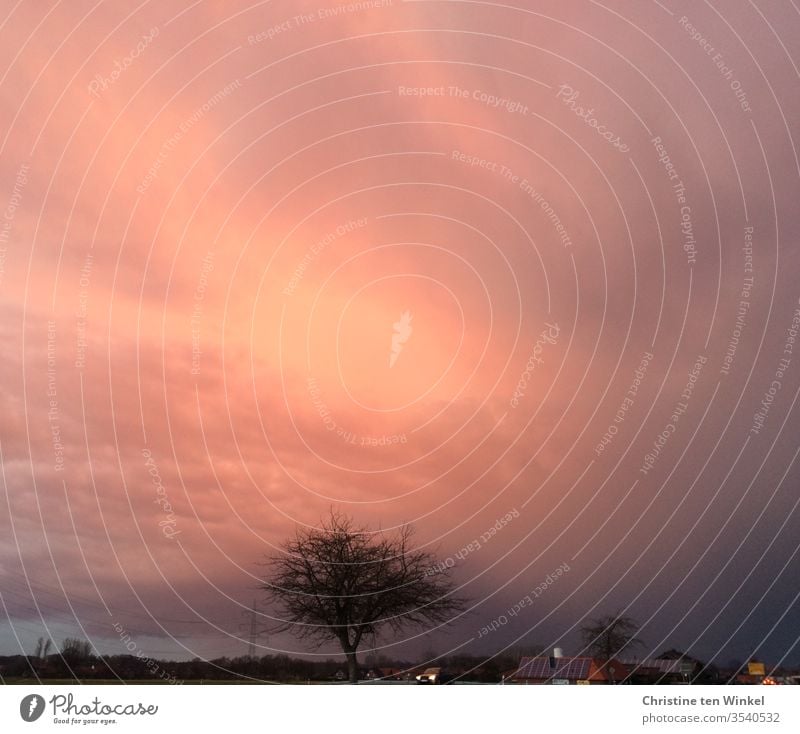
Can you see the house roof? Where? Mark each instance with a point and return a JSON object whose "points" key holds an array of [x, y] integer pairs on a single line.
{"points": [[662, 666], [569, 668]]}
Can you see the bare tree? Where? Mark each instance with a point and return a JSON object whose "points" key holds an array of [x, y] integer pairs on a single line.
{"points": [[605, 637], [340, 582], [43, 648], [75, 650]]}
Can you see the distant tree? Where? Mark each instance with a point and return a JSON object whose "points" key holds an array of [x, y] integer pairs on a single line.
{"points": [[605, 637], [75, 650], [341, 582], [43, 648], [429, 654]]}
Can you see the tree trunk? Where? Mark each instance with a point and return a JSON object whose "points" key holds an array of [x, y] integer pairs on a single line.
{"points": [[352, 666]]}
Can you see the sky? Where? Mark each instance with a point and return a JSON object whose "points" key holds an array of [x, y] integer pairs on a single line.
{"points": [[523, 275]]}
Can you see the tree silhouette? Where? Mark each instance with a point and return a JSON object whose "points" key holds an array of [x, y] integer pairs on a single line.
{"points": [[340, 582], [605, 637], [75, 650], [43, 648]]}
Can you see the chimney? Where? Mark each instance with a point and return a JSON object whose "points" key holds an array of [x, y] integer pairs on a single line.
{"points": [[558, 652]]}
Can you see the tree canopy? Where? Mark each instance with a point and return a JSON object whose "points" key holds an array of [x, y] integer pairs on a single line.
{"points": [[342, 582], [605, 637]]}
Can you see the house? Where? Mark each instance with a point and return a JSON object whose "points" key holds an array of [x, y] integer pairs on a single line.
{"points": [[658, 670], [567, 671]]}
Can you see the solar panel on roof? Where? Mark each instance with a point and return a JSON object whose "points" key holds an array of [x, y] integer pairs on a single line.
{"points": [[563, 668]]}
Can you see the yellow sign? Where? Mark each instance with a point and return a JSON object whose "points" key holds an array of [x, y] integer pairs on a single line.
{"points": [[756, 669]]}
